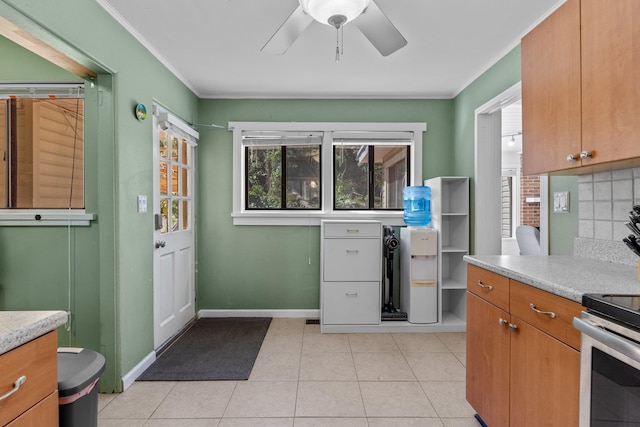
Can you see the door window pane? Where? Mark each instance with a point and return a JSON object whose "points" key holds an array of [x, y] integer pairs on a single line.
{"points": [[164, 213], [175, 215], [185, 182], [185, 215], [174, 180], [163, 178]]}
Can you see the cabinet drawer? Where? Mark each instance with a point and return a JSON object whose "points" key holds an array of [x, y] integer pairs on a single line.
{"points": [[351, 303], [489, 286], [352, 259], [44, 414], [557, 322], [352, 229], [38, 361]]}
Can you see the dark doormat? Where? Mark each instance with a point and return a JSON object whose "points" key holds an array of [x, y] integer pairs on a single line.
{"points": [[212, 349]]}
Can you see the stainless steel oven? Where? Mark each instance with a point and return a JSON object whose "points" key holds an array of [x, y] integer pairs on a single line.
{"points": [[610, 363]]}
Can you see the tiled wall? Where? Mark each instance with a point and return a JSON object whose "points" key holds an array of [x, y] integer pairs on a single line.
{"points": [[605, 199]]}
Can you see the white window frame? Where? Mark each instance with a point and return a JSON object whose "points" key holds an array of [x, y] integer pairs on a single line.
{"points": [[243, 216], [43, 216]]}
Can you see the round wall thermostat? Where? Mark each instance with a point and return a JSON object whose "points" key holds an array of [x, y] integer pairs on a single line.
{"points": [[141, 112]]}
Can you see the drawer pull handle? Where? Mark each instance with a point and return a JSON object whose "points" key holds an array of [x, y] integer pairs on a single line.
{"points": [[502, 322], [352, 251], [16, 386], [482, 285], [551, 314], [351, 294], [353, 230]]}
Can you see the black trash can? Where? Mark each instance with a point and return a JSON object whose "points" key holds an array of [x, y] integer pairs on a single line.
{"points": [[79, 370]]}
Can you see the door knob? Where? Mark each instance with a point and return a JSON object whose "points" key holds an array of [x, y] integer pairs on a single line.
{"points": [[160, 244]]}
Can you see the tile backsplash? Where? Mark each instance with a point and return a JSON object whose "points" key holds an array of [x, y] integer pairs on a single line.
{"points": [[605, 199]]}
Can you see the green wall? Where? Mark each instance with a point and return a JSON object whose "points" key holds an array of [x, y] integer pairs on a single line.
{"points": [[255, 267], [497, 79], [111, 261]]}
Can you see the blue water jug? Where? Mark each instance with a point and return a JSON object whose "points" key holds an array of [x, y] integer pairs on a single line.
{"points": [[417, 205]]}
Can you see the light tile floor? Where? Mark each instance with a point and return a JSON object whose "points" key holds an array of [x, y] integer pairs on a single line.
{"points": [[302, 378]]}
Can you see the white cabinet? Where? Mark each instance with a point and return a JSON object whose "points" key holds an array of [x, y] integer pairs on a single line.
{"points": [[351, 273], [450, 216]]}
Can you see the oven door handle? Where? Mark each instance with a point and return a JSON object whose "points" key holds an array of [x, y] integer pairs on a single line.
{"points": [[621, 345]]}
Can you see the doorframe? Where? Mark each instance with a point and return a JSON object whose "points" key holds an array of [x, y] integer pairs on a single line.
{"points": [[488, 155]]}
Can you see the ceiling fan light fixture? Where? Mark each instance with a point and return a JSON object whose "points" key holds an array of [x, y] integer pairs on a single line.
{"points": [[323, 10]]}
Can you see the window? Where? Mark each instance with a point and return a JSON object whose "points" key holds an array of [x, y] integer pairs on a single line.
{"points": [[300, 173], [282, 170], [42, 143], [370, 170]]}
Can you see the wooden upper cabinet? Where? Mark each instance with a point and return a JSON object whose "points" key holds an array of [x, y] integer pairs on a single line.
{"points": [[610, 84], [551, 92]]}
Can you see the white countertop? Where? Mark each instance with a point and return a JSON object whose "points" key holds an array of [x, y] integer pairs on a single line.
{"points": [[20, 327], [566, 276]]}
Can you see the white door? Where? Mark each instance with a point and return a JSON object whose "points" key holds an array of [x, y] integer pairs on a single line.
{"points": [[173, 237]]}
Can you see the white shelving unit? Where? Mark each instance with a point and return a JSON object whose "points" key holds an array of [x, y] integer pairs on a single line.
{"points": [[450, 216], [351, 267]]}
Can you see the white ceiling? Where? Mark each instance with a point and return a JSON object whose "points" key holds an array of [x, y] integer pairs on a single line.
{"points": [[213, 46]]}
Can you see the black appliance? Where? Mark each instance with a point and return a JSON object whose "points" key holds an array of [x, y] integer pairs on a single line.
{"points": [[610, 360], [390, 243]]}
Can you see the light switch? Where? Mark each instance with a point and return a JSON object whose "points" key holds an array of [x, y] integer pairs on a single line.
{"points": [[561, 202], [142, 204]]}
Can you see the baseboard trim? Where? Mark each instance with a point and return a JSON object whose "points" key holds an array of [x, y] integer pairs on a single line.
{"points": [[131, 376], [259, 313]]}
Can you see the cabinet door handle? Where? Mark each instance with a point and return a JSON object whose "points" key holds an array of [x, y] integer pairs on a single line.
{"points": [[573, 157], [16, 386], [482, 285], [513, 327], [352, 251], [502, 322], [586, 154], [351, 294], [551, 314]]}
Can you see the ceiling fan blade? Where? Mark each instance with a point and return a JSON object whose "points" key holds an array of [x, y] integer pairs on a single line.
{"points": [[375, 25], [288, 32]]}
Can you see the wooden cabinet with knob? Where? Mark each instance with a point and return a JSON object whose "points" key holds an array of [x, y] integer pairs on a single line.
{"points": [[551, 91], [579, 89], [523, 363], [32, 401]]}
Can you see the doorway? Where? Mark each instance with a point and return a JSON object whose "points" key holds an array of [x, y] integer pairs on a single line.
{"points": [[496, 168], [173, 235]]}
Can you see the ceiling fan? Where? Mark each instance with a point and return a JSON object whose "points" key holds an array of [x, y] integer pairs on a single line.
{"points": [[371, 20]]}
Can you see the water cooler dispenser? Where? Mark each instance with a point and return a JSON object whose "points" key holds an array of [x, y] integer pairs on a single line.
{"points": [[419, 274]]}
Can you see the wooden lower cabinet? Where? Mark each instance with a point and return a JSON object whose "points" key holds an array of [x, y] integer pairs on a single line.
{"points": [[520, 375], [35, 402], [41, 415], [488, 356], [545, 378]]}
